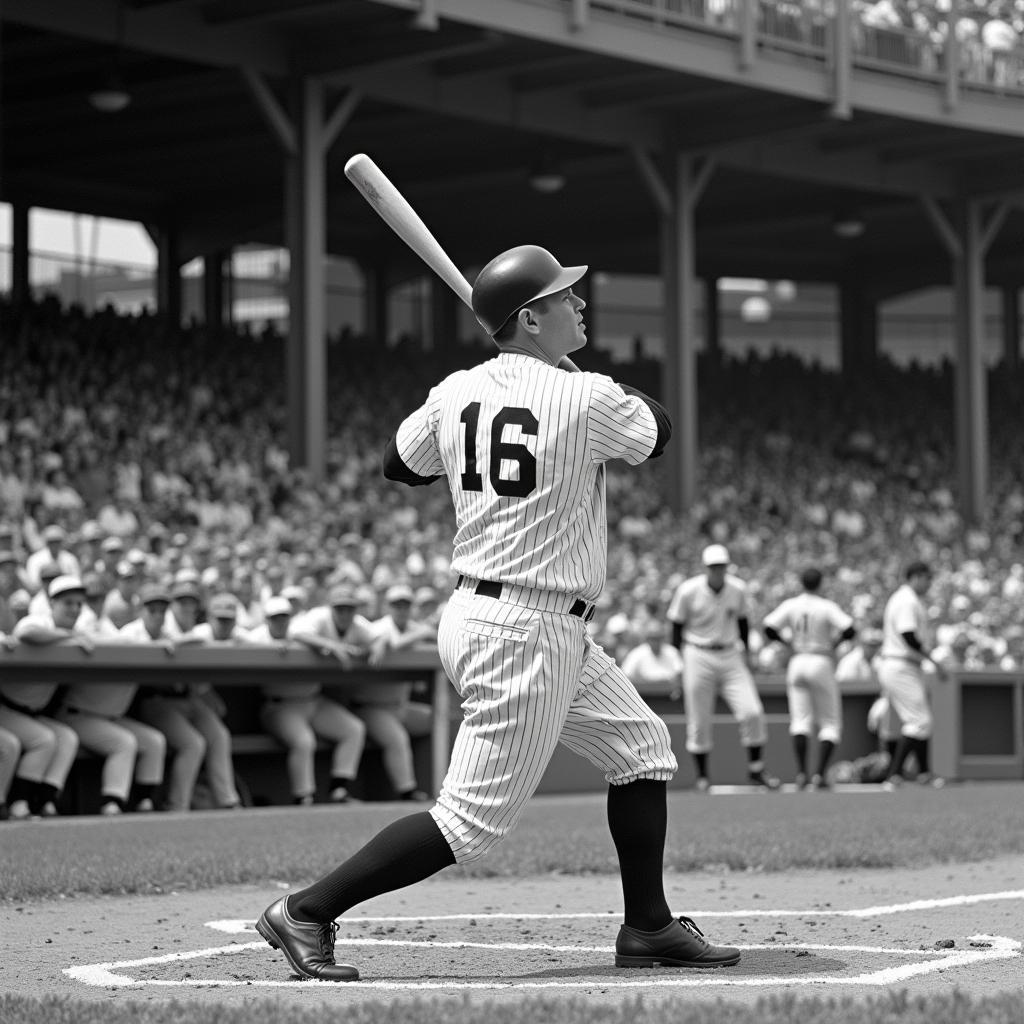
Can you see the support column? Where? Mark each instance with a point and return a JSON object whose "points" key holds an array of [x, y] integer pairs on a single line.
{"points": [[1011, 327], [21, 290], [688, 178], [967, 237], [858, 327], [443, 314], [213, 292], [375, 299], [168, 276], [712, 319], [305, 134], [970, 382]]}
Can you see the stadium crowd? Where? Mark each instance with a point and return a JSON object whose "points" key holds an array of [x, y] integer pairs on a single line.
{"points": [[152, 468]]}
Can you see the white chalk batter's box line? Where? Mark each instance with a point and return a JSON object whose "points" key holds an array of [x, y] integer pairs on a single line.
{"points": [[995, 947]]}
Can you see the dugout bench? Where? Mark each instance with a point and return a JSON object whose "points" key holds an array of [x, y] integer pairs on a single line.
{"points": [[237, 671]]}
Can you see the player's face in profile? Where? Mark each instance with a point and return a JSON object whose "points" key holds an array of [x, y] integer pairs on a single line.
{"points": [[562, 321]]}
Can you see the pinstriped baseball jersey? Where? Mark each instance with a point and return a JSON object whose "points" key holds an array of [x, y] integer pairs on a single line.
{"points": [[523, 446], [814, 623]]}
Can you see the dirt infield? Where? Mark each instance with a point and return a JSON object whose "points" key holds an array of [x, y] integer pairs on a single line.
{"points": [[926, 931]]}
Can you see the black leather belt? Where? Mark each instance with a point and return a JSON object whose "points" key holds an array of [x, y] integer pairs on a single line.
{"points": [[711, 647], [488, 588]]}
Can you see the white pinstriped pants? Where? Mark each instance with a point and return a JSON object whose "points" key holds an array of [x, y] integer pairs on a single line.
{"points": [[903, 683], [813, 696], [528, 680]]}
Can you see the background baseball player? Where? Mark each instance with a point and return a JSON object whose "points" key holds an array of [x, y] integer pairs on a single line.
{"points": [[523, 443], [710, 622], [811, 626], [906, 639]]}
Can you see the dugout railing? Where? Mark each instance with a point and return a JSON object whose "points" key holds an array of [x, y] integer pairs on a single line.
{"points": [[979, 716]]}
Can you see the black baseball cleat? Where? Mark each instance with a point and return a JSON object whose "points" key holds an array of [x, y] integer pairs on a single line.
{"points": [[308, 947], [764, 781], [679, 944]]}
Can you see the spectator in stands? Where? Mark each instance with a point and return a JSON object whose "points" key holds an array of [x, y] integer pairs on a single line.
{"points": [[297, 713], [122, 604], [10, 754], [9, 583], [392, 718], [98, 713], [94, 618], [48, 746], [117, 517], [188, 714], [655, 666], [54, 552]]}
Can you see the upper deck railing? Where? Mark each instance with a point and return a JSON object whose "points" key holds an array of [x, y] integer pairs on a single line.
{"points": [[949, 53]]}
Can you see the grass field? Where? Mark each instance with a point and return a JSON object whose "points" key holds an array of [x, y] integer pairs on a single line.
{"points": [[765, 832]]}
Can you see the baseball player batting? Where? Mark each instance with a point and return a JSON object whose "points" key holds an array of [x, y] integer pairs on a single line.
{"points": [[710, 621], [812, 627], [522, 441]]}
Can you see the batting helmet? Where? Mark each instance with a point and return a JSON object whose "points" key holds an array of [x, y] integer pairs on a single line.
{"points": [[514, 279]]}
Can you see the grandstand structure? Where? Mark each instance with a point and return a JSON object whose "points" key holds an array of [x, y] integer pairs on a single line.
{"points": [[696, 139]]}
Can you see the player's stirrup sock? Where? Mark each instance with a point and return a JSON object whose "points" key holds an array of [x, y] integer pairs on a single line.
{"points": [[921, 753], [800, 752], [406, 851], [638, 820], [903, 748], [825, 749]]}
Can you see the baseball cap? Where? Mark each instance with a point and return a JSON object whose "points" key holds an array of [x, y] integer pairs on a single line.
{"points": [[94, 585], [136, 556], [156, 530], [223, 606], [277, 606], [715, 554], [183, 589], [91, 530], [153, 593], [125, 568], [19, 600], [399, 592], [65, 585], [186, 575], [343, 596], [53, 532], [112, 544]]}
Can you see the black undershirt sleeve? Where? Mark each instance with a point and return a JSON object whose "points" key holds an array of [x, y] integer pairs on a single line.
{"points": [[661, 418], [912, 642], [744, 627], [677, 634], [847, 634], [395, 469], [773, 634]]}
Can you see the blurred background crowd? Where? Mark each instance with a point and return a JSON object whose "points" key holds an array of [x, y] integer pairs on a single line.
{"points": [[157, 454]]}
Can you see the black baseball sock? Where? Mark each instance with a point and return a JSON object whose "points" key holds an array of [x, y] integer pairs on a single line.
{"points": [[754, 763], [22, 789], [825, 749], [406, 851], [143, 791], [921, 753], [800, 753], [638, 820], [701, 763], [890, 749], [903, 748], [44, 794]]}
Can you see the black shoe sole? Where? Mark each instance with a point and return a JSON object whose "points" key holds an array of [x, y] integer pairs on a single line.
{"points": [[664, 961], [269, 936]]}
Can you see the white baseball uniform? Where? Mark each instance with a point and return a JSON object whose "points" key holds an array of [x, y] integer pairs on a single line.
{"points": [[713, 661], [900, 670], [523, 446], [812, 624]]}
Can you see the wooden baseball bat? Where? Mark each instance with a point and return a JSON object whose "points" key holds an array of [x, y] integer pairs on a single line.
{"points": [[394, 208]]}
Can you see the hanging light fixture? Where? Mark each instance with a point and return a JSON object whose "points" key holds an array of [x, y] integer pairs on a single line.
{"points": [[111, 95], [546, 175]]}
